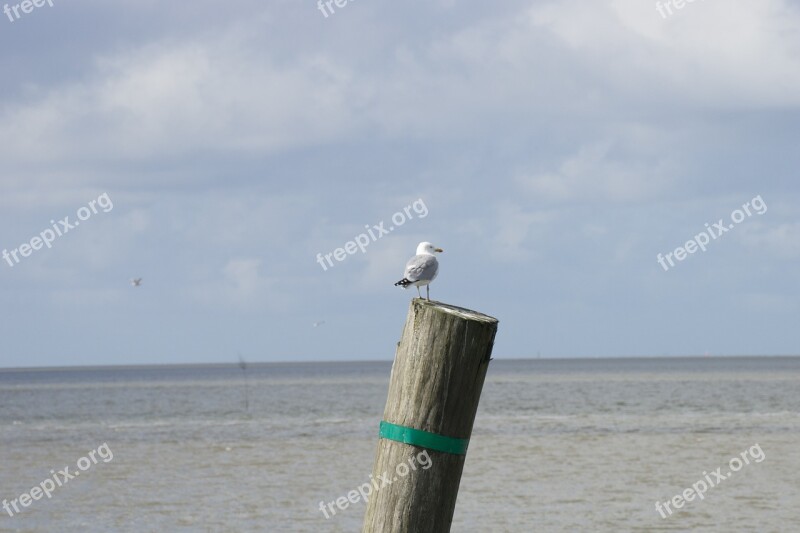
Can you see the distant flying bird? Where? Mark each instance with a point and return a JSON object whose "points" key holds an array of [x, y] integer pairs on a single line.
{"points": [[421, 269], [136, 282], [316, 324]]}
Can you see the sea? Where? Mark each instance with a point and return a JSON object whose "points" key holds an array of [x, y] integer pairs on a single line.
{"points": [[577, 445]]}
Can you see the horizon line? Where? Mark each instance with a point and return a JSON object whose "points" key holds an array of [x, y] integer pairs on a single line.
{"points": [[124, 366]]}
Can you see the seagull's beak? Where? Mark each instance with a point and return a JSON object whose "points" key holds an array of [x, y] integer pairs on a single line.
{"points": [[438, 250]]}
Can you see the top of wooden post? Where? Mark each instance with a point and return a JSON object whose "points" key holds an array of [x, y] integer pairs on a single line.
{"points": [[455, 310]]}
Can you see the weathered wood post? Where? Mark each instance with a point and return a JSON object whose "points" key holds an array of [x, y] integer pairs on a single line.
{"points": [[436, 382]]}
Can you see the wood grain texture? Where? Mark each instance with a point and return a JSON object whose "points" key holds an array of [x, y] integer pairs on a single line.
{"points": [[435, 386]]}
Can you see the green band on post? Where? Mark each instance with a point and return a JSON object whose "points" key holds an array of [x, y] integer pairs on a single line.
{"points": [[423, 439]]}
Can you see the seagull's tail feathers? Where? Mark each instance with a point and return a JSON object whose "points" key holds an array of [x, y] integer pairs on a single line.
{"points": [[405, 283]]}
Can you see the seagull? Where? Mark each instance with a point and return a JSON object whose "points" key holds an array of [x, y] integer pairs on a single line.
{"points": [[317, 324], [136, 282], [421, 269]]}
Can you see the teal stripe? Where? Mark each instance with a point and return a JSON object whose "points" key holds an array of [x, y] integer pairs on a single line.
{"points": [[423, 439]]}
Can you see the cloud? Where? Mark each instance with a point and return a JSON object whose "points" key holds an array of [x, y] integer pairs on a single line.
{"points": [[710, 53], [782, 240], [593, 173], [173, 99], [519, 230], [238, 284], [178, 99]]}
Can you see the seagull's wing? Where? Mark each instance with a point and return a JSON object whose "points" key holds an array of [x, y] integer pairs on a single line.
{"points": [[421, 267]]}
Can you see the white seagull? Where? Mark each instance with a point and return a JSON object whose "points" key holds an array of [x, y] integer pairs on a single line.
{"points": [[421, 269], [136, 282]]}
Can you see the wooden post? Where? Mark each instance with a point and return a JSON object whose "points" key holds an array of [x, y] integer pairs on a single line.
{"points": [[436, 382]]}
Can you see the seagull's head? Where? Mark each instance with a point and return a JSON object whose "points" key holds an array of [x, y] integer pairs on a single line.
{"points": [[427, 248]]}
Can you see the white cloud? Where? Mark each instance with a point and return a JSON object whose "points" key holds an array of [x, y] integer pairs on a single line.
{"points": [[519, 230], [782, 240], [220, 95], [592, 174], [177, 99], [238, 284], [719, 54]]}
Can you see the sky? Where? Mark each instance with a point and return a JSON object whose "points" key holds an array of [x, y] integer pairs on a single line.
{"points": [[553, 149]]}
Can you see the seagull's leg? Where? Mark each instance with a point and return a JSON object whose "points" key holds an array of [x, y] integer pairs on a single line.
{"points": [[419, 293], [428, 289]]}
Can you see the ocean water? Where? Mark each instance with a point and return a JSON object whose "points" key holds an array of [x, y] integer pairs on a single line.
{"points": [[558, 445]]}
